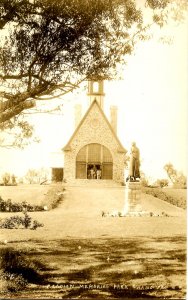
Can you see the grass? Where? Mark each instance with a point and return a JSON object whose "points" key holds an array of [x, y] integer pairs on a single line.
{"points": [[139, 267], [48, 195], [105, 268], [176, 197], [17, 271], [53, 197]]}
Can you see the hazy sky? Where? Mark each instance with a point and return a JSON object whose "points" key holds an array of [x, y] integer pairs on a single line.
{"points": [[152, 111]]}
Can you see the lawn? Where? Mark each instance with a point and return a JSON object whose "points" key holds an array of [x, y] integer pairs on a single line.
{"points": [[105, 268], [177, 197], [80, 254], [34, 194]]}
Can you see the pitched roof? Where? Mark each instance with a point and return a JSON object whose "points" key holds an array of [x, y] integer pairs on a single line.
{"points": [[120, 149]]}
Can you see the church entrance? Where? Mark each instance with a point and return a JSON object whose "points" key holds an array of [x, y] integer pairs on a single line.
{"points": [[94, 161]]}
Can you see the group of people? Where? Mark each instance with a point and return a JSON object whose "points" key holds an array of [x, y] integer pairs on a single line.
{"points": [[94, 173]]}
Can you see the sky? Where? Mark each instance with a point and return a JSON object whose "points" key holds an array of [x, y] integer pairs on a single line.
{"points": [[152, 111]]}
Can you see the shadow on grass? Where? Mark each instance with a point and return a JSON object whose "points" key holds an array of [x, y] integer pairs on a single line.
{"points": [[110, 294], [16, 262], [106, 261]]}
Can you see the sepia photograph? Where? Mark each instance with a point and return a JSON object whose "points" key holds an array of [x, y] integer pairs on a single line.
{"points": [[93, 149]]}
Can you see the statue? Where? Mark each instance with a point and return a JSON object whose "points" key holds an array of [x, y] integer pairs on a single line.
{"points": [[134, 169]]}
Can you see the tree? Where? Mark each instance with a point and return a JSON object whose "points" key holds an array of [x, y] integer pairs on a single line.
{"points": [[31, 176], [49, 46], [6, 178], [162, 182], [43, 175], [39, 176], [177, 178], [171, 172]]}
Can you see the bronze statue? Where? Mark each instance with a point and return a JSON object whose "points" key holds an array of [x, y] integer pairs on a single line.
{"points": [[134, 169]]}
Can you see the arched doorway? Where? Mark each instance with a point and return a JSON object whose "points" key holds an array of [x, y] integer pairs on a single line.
{"points": [[94, 161]]}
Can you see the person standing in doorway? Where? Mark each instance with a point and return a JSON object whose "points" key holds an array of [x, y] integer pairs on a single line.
{"points": [[98, 173], [92, 172]]}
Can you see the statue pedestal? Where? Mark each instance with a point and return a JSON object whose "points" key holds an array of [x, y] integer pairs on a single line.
{"points": [[134, 196]]}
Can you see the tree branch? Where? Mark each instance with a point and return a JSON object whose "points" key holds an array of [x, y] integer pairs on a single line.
{"points": [[7, 115]]}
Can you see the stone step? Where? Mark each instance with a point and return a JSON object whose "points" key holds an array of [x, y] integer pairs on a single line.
{"points": [[94, 183]]}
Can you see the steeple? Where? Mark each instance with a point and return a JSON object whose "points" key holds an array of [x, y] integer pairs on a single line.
{"points": [[96, 91]]}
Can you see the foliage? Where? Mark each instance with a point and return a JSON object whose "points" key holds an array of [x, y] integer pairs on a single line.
{"points": [[54, 197], [13, 282], [36, 224], [8, 179], [48, 47], [37, 175], [161, 194], [162, 182], [144, 180], [14, 222], [177, 178], [31, 176], [17, 132], [17, 270], [9, 206]]}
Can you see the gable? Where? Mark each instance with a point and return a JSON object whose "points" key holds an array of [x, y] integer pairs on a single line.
{"points": [[95, 124]]}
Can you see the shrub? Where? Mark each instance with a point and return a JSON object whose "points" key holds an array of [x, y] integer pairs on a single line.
{"points": [[36, 224], [14, 282], [54, 197], [162, 182], [17, 270], [11, 223], [6, 178], [8, 205], [14, 222], [26, 220], [157, 192]]}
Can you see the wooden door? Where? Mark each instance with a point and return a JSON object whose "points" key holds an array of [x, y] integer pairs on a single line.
{"points": [[107, 171], [81, 171]]}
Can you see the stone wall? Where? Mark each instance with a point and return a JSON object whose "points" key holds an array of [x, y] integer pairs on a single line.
{"points": [[94, 129]]}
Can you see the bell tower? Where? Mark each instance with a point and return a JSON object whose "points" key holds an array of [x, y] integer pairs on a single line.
{"points": [[96, 91]]}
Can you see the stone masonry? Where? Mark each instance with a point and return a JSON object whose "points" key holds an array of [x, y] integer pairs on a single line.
{"points": [[94, 128], [134, 196]]}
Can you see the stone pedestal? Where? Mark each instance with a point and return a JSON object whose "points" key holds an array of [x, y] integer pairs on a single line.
{"points": [[134, 196]]}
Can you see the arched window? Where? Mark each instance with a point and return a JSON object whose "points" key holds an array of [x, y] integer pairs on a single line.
{"points": [[94, 158]]}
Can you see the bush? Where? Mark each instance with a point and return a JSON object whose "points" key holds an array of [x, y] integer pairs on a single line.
{"points": [[162, 182], [13, 282], [54, 197], [9, 206], [17, 270], [157, 192], [16, 222]]}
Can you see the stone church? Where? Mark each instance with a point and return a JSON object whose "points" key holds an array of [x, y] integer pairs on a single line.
{"points": [[94, 151]]}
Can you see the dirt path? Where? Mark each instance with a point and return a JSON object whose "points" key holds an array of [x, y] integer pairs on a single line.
{"points": [[79, 216]]}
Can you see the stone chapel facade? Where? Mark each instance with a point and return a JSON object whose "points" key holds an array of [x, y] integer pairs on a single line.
{"points": [[94, 151]]}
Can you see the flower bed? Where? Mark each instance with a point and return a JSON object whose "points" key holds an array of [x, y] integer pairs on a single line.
{"points": [[133, 214], [9, 206]]}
